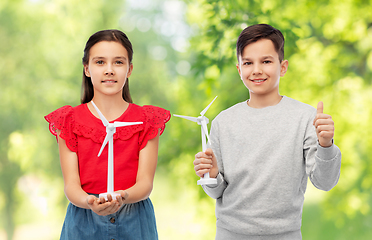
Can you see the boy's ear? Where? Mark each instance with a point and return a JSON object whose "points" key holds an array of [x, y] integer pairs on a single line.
{"points": [[238, 67], [86, 71], [283, 67]]}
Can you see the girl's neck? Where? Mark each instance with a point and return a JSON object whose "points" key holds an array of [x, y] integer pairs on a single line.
{"points": [[262, 101], [111, 107]]}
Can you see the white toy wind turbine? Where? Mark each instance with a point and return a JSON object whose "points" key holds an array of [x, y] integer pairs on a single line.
{"points": [[202, 121], [110, 130]]}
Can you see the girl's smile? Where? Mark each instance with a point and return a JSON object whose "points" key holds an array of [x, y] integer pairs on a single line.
{"points": [[109, 81], [108, 68]]}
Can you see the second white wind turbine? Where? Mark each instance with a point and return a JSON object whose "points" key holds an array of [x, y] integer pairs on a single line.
{"points": [[202, 121]]}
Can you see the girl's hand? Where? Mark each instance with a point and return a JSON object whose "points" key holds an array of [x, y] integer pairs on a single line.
{"points": [[324, 127], [123, 196], [101, 207], [206, 162]]}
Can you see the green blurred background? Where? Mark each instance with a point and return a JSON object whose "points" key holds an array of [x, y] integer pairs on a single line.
{"points": [[184, 55]]}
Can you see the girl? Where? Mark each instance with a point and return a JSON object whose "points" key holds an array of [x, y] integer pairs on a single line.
{"points": [[80, 133]]}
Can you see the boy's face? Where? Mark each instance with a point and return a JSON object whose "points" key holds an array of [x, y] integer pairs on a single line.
{"points": [[260, 69]]}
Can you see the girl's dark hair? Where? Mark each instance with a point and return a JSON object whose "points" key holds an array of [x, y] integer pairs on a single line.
{"points": [[256, 32], [87, 91]]}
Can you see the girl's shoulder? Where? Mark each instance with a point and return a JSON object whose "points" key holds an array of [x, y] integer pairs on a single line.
{"points": [[66, 114], [151, 116], [64, 120], [66, 110]]}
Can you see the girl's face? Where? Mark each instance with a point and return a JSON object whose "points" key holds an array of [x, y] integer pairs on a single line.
{"points": [[108, 68]]}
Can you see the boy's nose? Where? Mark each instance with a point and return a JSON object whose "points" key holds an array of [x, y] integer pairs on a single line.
{"points": [[257, 70]]}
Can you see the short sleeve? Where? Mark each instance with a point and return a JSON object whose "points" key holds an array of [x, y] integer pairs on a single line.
{"points": [[155, 119], [63, 119]]}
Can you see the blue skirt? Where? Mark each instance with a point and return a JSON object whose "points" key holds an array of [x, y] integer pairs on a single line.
{"points": [[135, 221]]}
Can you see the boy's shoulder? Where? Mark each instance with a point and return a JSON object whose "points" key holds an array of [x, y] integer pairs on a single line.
{"points": [[295, 105], [287, 106], [232, 111]]}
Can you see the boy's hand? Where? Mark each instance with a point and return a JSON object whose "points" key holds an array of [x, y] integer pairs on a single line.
{"points": [[101, 207], [324, 127], [206, 162]]}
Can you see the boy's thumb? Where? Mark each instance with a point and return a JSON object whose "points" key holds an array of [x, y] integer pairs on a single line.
{"points": [[319, 108], [209, 152]]}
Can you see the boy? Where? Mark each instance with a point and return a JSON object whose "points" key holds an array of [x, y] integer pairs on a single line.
{"points": [[264, 149]]}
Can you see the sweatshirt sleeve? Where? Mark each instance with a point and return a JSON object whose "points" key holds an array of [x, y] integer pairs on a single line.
{"points": [[216, 191], [323, 165]]}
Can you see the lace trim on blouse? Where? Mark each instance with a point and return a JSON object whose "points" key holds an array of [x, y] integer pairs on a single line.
{"points": [[63, 119]]}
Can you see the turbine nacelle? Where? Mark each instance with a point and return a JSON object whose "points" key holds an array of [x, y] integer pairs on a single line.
{"points": [[202, 119]]}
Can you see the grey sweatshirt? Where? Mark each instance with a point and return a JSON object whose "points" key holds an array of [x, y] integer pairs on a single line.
{"points": [[265, 157]]}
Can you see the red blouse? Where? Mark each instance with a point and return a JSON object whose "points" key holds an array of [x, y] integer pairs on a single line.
{"points": [[84, 134]]}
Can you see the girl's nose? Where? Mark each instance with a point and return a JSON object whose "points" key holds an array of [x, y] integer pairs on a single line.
{"points": [[109, 70]]}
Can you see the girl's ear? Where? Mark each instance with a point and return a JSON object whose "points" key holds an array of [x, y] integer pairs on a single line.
{"points": [[86, 71], [130, 70]]}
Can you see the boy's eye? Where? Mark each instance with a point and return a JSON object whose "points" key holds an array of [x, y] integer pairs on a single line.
{"points": [[119, 62], [267, 61], [247, 63]]}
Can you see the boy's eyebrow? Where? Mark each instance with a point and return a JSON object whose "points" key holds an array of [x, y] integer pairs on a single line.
{"points": [[117, 57], [268, 56], [263, 57]]}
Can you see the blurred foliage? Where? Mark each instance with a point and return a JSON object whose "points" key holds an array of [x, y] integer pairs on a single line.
{"points": [[181, 66]]}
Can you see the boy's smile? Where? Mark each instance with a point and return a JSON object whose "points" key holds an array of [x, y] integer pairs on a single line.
{"points": [[258, 80], [260, 70]]}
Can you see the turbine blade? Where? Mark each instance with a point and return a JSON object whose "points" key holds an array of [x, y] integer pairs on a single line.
{"points": [[123, 124], [103, 119], [205, 129], [194, 119], [107, 138], [206, 109]]}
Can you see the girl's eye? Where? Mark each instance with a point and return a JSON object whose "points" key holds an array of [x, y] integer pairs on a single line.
{"points": [[99, 62], [119, 62], [247, 63]]}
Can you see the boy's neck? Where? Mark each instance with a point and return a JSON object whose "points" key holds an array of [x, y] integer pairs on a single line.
{"points": [[262, 101]]}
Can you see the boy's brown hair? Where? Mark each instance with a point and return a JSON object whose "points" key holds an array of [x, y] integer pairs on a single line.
{"points": [[256, 32]]}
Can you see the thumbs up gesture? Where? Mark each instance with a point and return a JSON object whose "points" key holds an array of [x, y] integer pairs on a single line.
{"points": [[324, 127]]}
